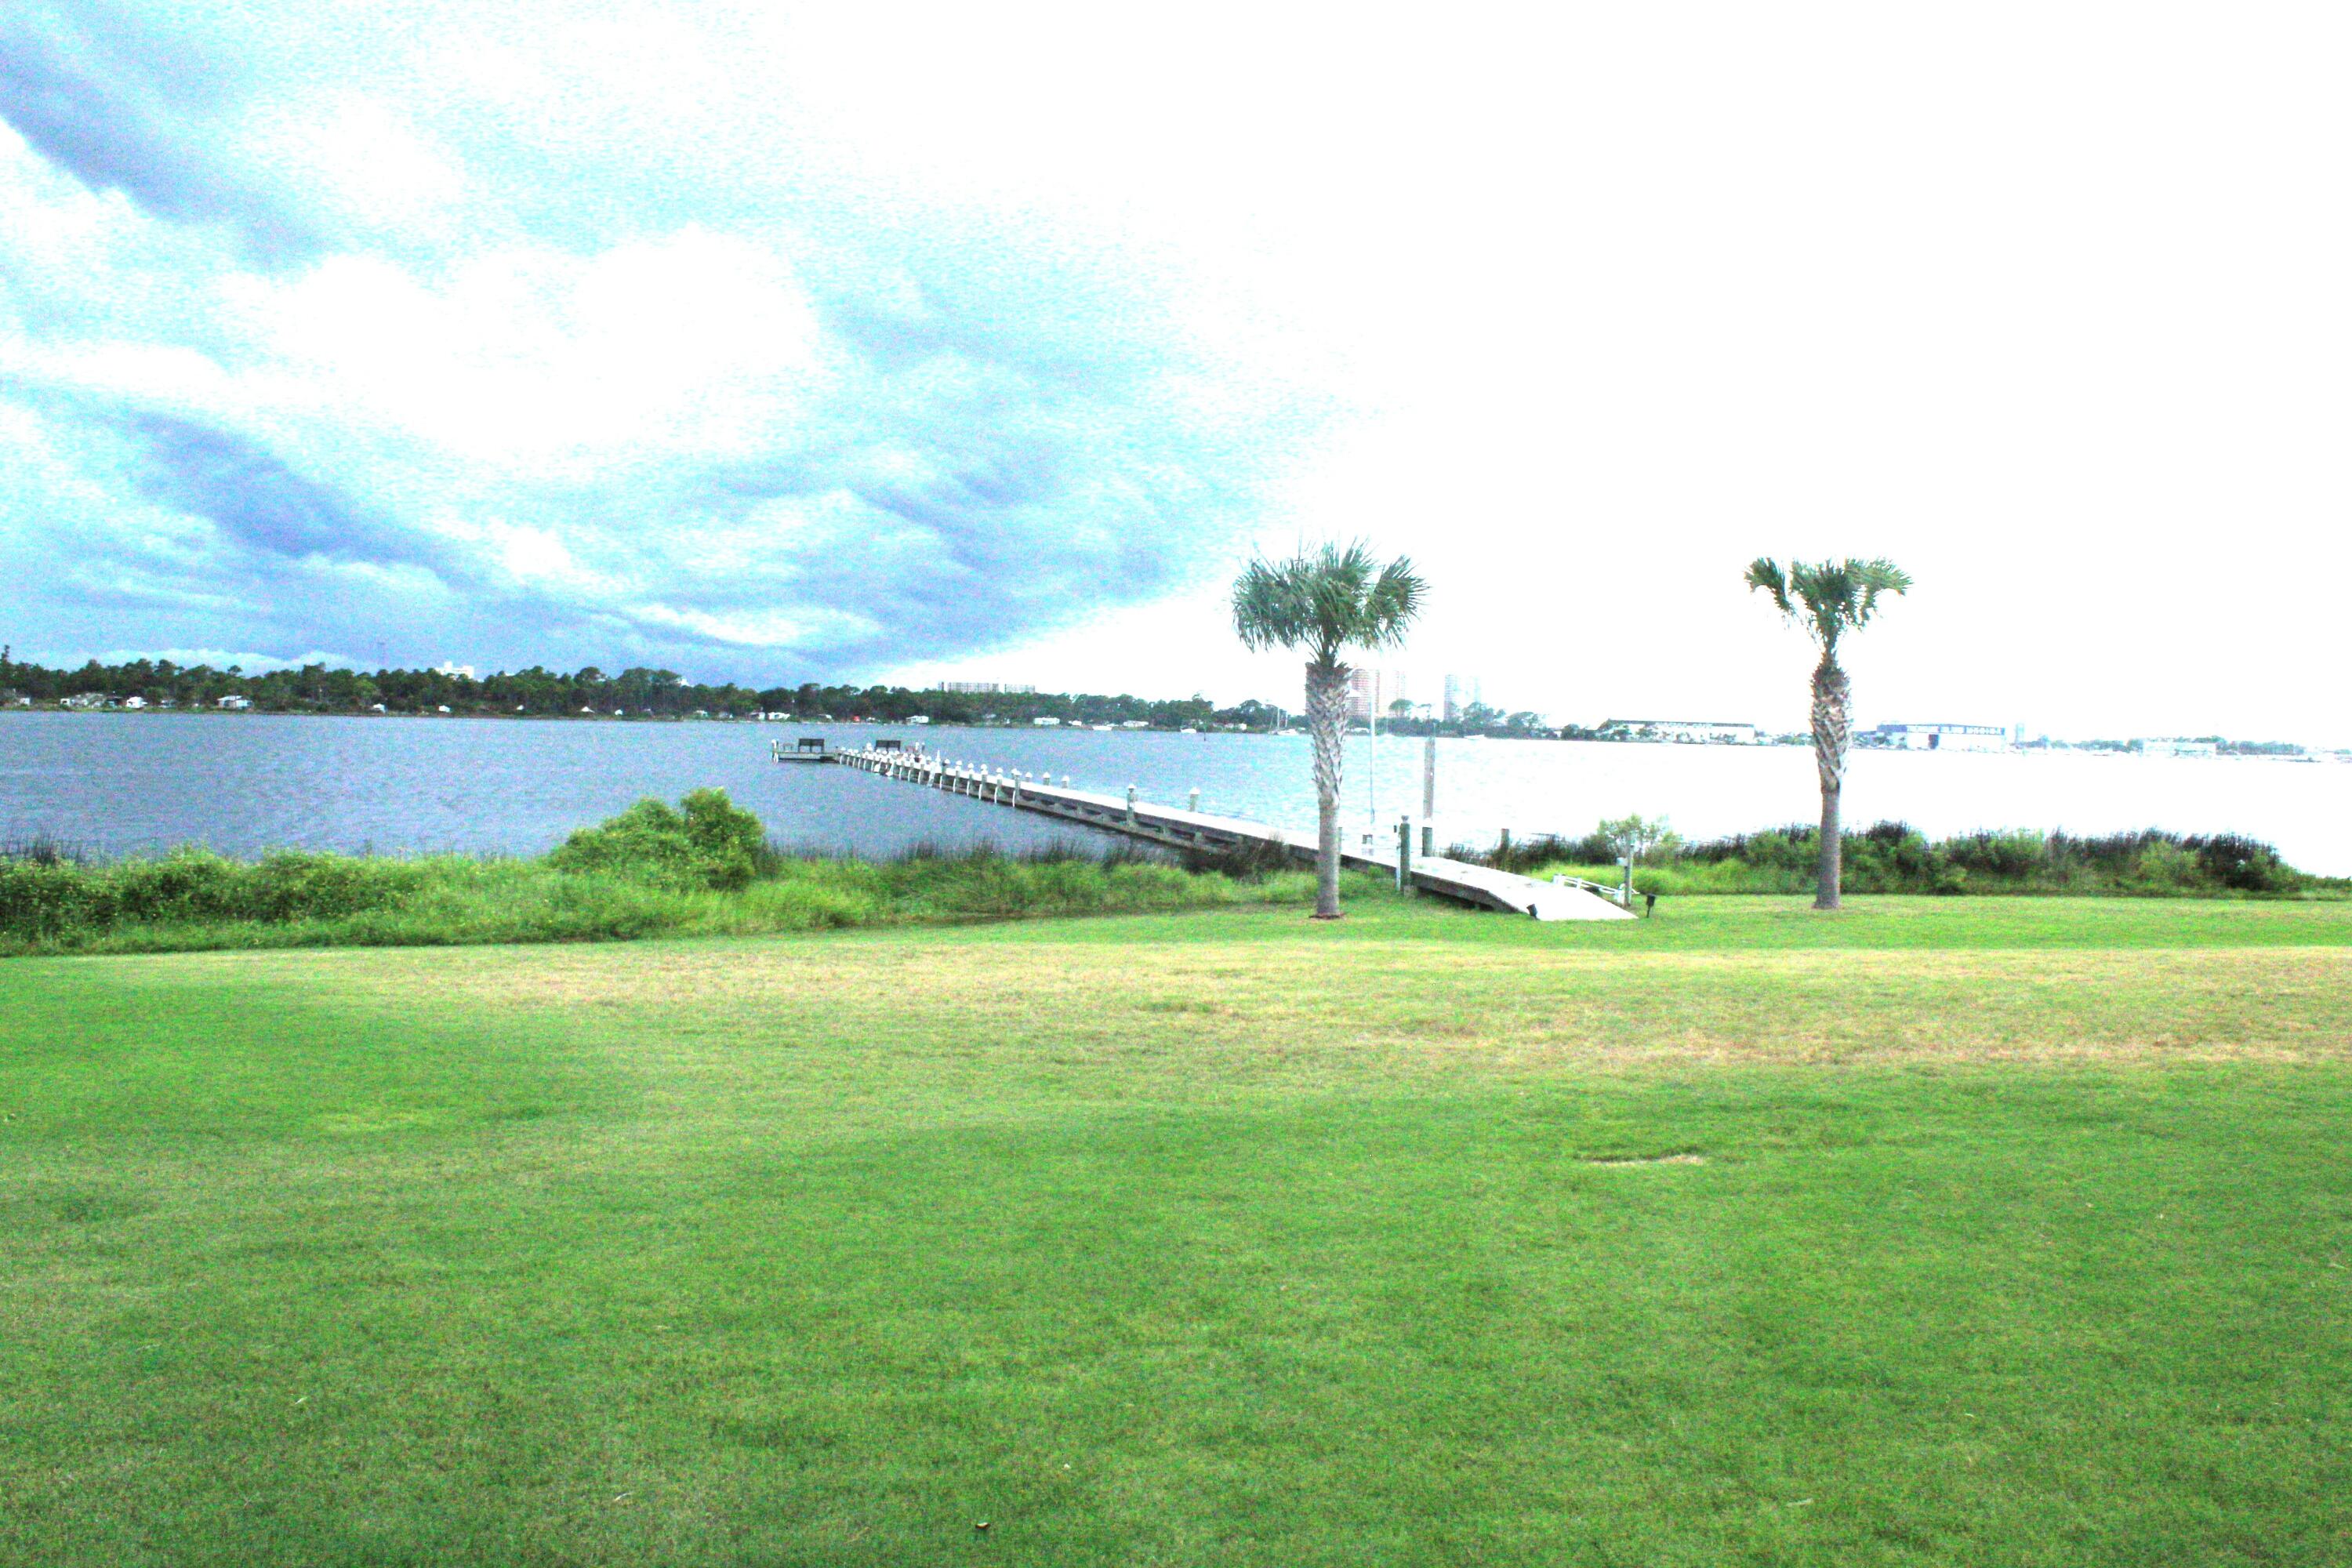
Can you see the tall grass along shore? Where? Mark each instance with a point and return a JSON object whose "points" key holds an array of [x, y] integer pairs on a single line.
{"points": [[1894, 858], [704, 868]]}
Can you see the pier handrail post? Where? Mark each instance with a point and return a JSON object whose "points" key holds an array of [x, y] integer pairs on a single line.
{"points": [[1627, 897], [1131, 805], [1428, 793], [1192, 801], [1404, 856]]}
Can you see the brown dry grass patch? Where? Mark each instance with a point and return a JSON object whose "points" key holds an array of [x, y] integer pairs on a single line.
{"points": [[1380, 1007]]}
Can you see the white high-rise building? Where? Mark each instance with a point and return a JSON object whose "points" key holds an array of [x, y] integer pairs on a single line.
{"points": [[1372, 690]]}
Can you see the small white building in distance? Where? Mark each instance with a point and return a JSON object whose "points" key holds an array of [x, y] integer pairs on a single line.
{"points": [[1943, 737], [1047, 723], [234, 701]]}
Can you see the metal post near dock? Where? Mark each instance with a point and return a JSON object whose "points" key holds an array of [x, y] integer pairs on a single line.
{"points": [[1428, 795], [1404, 855]]}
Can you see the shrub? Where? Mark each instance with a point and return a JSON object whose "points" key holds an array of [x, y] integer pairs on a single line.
{"points": [[707, 841], [2242, 863], [1651, 842]]}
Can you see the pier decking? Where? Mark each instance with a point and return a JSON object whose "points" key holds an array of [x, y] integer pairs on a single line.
{"points": [[1568, 900]]}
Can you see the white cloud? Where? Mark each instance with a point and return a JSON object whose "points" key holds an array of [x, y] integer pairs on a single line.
{"points": [[735, 311]]}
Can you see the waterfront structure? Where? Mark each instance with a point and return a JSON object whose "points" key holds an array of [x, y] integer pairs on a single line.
{"points": [[1683, 731], [234, 701], [1943, 737], [1463, 691], [1563, 898]]}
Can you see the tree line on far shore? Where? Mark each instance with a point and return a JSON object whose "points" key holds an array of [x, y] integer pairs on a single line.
{"points": [[647, 693], [634, 693]]}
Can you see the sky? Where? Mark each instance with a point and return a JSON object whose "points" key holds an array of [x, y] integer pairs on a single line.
{"points": [[897, 342]]}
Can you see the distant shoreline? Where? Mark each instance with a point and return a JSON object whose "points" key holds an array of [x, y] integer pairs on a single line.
{"points": [[2270, 754]]}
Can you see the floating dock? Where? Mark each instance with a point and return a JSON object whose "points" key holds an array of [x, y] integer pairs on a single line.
{"points": [[1564, 898]]}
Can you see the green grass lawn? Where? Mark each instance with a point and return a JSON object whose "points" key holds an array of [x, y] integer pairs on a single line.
{"points": [[1974, 1231]]}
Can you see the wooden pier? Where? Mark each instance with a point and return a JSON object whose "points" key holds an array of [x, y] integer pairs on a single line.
{"points": [[1564, 898]]}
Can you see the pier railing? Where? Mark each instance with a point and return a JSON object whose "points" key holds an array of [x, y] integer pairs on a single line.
{"points": [[1189, 827]]}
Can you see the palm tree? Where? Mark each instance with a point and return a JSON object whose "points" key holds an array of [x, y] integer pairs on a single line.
{"points": [[1324, 601], [1829, 599]]}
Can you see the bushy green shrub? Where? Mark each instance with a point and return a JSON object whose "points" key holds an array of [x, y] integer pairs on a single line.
{"points": [[707, 841], [2242, 863], [2001, 856], [2165, 868]]}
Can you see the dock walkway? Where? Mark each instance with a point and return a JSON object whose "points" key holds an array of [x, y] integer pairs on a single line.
{"points": [[1568, 900]]}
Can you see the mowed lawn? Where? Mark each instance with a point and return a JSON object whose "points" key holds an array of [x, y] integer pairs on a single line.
{"points": [[1969, 1231]]}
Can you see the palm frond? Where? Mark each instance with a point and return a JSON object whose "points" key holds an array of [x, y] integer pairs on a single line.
{"points": [[1764, 573], [1392, 605], [1837, 596], [1325, 599]]}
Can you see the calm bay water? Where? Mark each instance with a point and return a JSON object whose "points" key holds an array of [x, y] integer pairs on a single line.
{"points": [[246, 783]]}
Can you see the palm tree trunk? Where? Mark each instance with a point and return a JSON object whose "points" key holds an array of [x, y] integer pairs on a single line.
{"points": [[1327, 713], [1832, 716]]}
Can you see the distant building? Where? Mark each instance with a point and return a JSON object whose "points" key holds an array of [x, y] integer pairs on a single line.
{"points": [[1046, 722], [1463, 691], [455, 672], [1943, 737], [1685, 731], [985, 688], [134, 702], [919, 719], [236, 703], [1370, 692]]}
